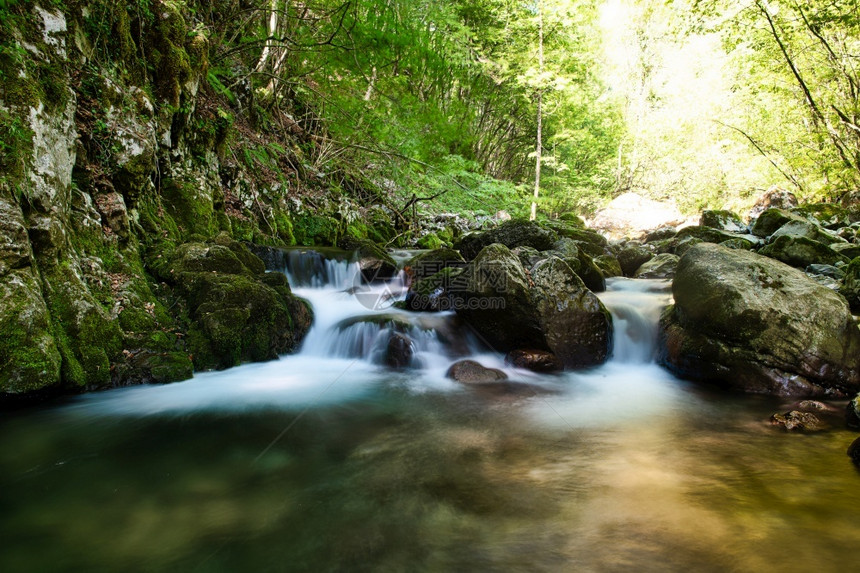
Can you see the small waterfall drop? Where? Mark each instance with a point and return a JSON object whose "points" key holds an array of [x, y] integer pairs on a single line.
{"points": [[355, 320], [635, 305]]}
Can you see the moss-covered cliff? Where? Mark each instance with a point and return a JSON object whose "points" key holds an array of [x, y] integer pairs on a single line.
{"points": [[129, 176]]}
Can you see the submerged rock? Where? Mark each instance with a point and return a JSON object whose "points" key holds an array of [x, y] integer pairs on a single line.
{"points": [[534, 360], [399, 351], [854, 452], [796, 421], [471, 372], [746, 322]]}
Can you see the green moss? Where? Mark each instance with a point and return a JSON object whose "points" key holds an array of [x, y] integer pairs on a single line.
{"points": [[168, 55], [315, 230], [170, 367], [430, 241], [243, 228], [189, 206], [31, 360], [284, 229], [830, 215]]}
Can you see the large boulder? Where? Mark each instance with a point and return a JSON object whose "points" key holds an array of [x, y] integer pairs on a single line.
{"points": [[809, 230], [238, 312], [548, 309], [429, 263], [633, 256], [773, 198], [631, 214], [660, 267], [746, 322], [723, 220], [770, 221], [801, 252], [511, 234], [850, 288]]}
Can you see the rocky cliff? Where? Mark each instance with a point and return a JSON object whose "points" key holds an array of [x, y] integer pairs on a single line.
{"points": [[129, 180]]}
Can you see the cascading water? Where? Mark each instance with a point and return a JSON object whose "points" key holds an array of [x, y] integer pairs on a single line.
{"points": [[357, 320], [635, 306], [328, 459]]}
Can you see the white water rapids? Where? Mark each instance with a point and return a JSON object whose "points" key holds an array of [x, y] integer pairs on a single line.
{"points": [[343, 355]]}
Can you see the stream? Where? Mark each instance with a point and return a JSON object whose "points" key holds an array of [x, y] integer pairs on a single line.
{"points": [[327, 460]]}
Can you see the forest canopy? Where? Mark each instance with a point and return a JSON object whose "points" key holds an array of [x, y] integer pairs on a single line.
{"points": [[472, 104]]}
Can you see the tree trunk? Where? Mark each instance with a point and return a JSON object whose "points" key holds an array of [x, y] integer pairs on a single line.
{"points": [[539, 147]]}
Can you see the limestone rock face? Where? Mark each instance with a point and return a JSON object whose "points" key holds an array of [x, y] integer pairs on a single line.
{"points": [[746, 322]]}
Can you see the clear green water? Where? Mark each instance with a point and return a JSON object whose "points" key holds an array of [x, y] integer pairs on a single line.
{"points": [[623, 469]]}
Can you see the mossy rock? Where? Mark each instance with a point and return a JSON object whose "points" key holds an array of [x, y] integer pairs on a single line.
{"points": [[609, 266], [807, 229], [572, 219], [744, 321], [284, 229], [530, 256], [706, 234], [723, 220], [512, 234], [829, 215], [374, 262], [31, 360], [660, 267], [237, 319], [429, 263], [686, 244], [771, 220], [590, 273], [430, 241], [850, 288], [315, 230], [739, 243], [434, 293], [590, 241], [801, 252], [190, 206], [88, 340], [661, 234], [149, 367], [632, 257]]}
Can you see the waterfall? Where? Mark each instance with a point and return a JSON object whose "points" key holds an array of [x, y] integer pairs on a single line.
{"points": [[635, 305], [356, 320]]}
